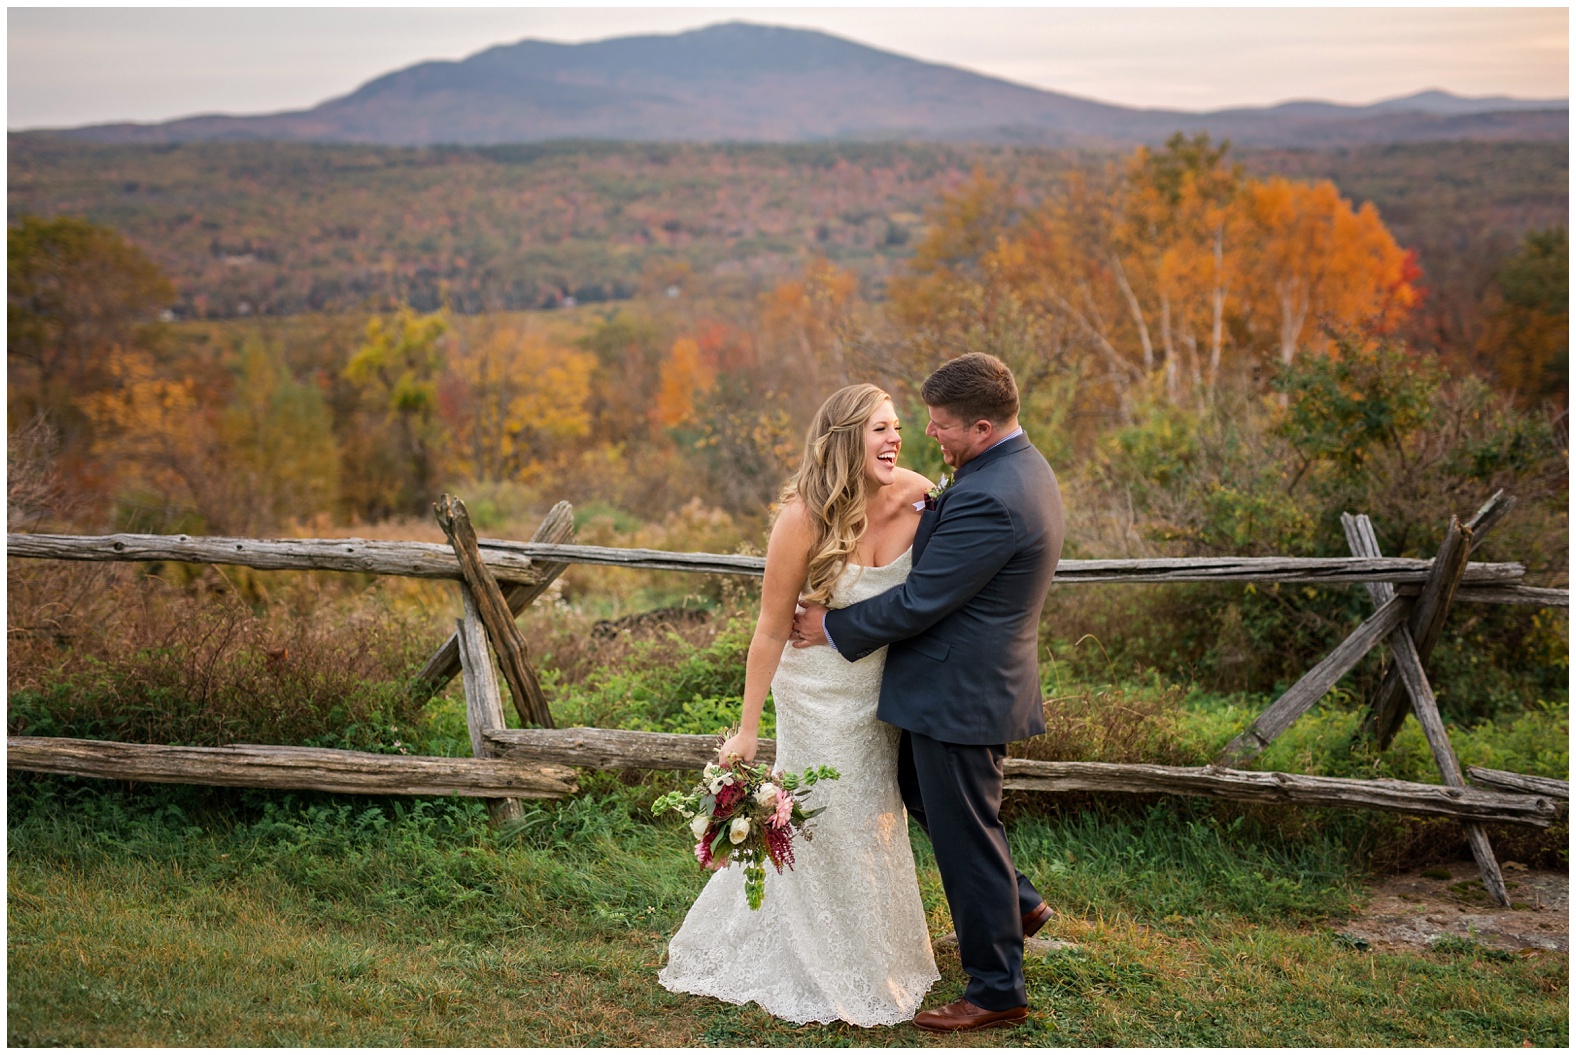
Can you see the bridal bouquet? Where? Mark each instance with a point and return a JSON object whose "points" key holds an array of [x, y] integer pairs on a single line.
{"points": [[749, 814]]}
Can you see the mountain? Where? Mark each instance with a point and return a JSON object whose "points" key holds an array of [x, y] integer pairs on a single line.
{"points": [[744, 82]]}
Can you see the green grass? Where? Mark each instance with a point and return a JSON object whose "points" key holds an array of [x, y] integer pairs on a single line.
{"points": [[148, 914], [162, 915]]}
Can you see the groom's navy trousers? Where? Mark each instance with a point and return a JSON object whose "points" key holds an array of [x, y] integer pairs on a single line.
{"points": [[959, 809], [962, 681]]}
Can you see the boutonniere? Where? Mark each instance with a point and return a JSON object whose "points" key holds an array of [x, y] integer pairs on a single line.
{"points": [[933, 495]]}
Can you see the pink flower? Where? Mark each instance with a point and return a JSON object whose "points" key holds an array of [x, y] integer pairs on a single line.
{"points": [[703, 852], [784, 809]]}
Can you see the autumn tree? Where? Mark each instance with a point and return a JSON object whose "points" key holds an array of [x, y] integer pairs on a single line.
{"points": [[390, 454], [629, 351], [158, 438], [513, 400], [279, 445], [1168, 270], [1526, 341], [983, 279], [813, 321], [1313, 258], [954, 297], [745, 417], [78, 297], [685, 377], [1175, 224]]}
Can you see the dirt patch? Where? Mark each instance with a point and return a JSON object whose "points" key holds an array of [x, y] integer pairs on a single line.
{"points": [[1448, 901]]}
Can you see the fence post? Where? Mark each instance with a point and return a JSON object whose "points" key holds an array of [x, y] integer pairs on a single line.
{"points": [[1428, 617], [506, 638], [556, 528], [483, 704], [1388, 708]]}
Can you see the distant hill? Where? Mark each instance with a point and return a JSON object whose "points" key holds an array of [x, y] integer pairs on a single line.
{"points": [[743, 82]]}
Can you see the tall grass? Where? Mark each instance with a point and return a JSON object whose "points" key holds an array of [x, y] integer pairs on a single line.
{"points": [[177, 666]]}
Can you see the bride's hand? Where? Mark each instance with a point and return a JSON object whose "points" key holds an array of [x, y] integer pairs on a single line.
{"points": [[741, 745]]}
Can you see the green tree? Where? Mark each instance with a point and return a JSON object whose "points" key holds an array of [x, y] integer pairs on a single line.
{"points": [[629, 351], [1343, 408]]}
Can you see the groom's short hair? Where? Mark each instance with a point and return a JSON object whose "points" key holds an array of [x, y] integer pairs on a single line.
{"points": [[973, 386]]}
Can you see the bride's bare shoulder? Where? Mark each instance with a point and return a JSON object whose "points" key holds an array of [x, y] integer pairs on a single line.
{"points": [[792, 535], [912, 485], [793, 521]]}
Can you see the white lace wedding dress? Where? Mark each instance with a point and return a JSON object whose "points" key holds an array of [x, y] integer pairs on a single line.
{"points": [[842, 935]]}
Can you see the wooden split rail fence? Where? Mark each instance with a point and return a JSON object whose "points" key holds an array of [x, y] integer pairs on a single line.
{"points": [[499, 579]]}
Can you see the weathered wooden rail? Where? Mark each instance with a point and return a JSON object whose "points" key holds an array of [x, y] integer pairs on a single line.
{"points": [[541, 763], [304, 768], [499, 578], [521, 562]]}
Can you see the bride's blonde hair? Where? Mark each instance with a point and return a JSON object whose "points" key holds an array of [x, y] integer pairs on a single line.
{"points": [[831, 483]]}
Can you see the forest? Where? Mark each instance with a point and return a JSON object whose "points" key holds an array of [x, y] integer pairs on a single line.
{"points": [[1219, 352]]}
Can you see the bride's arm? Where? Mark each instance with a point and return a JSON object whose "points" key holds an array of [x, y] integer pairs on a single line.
{"points": [[787, 562]]}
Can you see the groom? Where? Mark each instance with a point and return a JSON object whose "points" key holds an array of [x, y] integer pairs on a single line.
{"points": [[962, 677]]}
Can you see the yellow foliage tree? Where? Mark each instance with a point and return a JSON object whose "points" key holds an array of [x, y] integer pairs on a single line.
{"points": [[518, 399], [162, 448], [391, 456]]}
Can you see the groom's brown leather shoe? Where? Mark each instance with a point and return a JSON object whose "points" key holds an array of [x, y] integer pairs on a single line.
{"points": [[1036, 918], [960, 1016]]}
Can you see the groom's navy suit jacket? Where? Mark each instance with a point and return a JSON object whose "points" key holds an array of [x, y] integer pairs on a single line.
{"points": [[963, 666]]}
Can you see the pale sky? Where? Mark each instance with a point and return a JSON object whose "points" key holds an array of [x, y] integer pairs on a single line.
{"points": [[70, 66]]}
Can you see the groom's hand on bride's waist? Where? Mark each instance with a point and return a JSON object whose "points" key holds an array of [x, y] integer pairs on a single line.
{"points": [[809, 625]]}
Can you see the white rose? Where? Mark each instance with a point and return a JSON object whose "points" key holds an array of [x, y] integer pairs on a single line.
{"points": [[767, 795], [738, 830], [698, 825]]}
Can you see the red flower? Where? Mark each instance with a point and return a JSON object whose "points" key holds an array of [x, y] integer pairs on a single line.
{"points": [[729, 794], [779, 846]]}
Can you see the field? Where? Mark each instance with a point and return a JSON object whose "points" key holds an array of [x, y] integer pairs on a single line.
{"points": [[144, 914], [140, 918]]}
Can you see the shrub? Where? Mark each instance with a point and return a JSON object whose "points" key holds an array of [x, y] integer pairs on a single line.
{"points": [[1371, 429]]}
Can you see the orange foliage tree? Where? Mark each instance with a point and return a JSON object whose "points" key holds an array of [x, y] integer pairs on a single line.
{"points": [[1525, 344], [685, 375], [1311, 257], [79, 298], [813, 319], [159, 438], [1172, 267]]}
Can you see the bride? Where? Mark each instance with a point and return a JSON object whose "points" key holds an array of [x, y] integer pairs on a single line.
{"points": [[842, 935]]}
